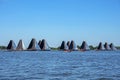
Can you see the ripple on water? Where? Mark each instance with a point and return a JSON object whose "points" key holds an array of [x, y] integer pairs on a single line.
{"points": [[65, 74], [55, 79], [104, 79]]}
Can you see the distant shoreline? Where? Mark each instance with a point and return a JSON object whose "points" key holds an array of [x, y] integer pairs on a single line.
{"points": [[57, 48]]}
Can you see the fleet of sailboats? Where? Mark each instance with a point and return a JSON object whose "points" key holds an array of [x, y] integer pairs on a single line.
{"points": [[42, 45]]}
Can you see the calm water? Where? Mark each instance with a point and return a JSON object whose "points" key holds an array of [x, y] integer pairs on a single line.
{"points": [[58, 65]]}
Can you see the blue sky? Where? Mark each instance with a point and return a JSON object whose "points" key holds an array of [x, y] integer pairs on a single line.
{"points": [[57, 20]]}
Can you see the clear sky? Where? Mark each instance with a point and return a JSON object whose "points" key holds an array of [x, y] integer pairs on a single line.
{"points": [[57, 20]]}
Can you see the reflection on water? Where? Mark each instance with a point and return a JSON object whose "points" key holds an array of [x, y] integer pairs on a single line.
{"points": [[58, 65]]}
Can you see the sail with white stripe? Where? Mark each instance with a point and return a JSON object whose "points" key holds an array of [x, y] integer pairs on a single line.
{"points": [[11, 45], [107, 47], [20, 46], [33, 45], [112, 46], [100, 46], [84, 46], [44, 45], [73, 46]]}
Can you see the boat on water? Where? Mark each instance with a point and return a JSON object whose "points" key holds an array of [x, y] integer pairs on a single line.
{"points": [[64, 46], [84, 46], [11, 46], [107, 47], [73, 46], [33, 46], [44, 45], [101, 47], [112, 46], [20, 46]]}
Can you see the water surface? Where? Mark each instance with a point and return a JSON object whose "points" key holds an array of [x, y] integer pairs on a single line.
{"points": [[59, 65]]}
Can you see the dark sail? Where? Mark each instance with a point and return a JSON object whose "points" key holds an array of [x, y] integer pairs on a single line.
{"points": [[11, 45], [44, 45], [112, 46], [107, 47], [68, 43], [20, 45], [84, 46], [39, 43], [73, 46], [100, 46], [33, 45], [63, 46]]}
